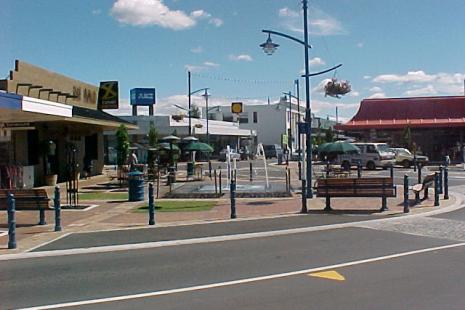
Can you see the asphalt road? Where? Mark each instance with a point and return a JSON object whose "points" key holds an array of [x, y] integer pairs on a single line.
{"points": [[375, 258]]}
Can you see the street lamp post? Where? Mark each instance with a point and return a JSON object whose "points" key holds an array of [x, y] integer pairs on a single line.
{"points": [[269, 47]]}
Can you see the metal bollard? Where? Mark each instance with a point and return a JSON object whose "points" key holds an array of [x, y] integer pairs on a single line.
{"points": [[232, 193], [417, 195], [359, 170], [42, 217], [414, 163], [299, 164], [327, 169], [250, 172], [436, 189], [304, 197], [441, 175], [406, 205], [391, 171], [209, 169], [57, 207], [446, 183], [220, 183], [151, 205], [216, 183], [11, 222], [289, 180]]}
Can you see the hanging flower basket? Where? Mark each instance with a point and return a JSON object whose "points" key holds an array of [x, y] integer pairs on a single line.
{"points": [[335, 88], [177, 118]]}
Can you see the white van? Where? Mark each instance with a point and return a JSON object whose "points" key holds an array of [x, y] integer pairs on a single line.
{"points": [[372, 155]]}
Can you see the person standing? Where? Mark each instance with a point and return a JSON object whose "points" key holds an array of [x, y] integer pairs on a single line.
{"points": [[132, 161]]}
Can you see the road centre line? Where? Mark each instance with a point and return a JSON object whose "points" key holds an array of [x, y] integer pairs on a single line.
{"points": [[243, 281], [159, 244]]}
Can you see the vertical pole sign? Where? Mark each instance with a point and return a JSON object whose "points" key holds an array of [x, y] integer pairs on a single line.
{"points": [[108, 95]]}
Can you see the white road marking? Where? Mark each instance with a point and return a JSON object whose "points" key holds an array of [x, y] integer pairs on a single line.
{"points": [[243, 281], [159, 244], [3, 233]]}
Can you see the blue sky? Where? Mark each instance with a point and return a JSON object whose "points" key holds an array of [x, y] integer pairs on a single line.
{"points": [[392, 48]]}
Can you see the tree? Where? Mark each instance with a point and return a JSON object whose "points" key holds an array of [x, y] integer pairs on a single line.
{"points": [[153, 136], [195, 113], [122, 145], [407, 137], [329, 135]]}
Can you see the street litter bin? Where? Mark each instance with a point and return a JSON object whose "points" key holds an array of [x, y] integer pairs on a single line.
{"points": [[190, 168], [280, 158], [136, 186]]}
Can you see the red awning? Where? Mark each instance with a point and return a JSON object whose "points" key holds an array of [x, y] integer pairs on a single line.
{"points": [[420, 112]]}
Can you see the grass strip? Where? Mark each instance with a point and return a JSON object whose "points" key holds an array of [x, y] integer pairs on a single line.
{"points": [[180, 206]]}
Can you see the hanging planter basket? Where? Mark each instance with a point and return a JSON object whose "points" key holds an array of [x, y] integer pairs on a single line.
{"points": [[335, 88]]}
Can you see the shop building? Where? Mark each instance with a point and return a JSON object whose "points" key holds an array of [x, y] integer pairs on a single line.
{"points": [[435, 126], [47, 119]]}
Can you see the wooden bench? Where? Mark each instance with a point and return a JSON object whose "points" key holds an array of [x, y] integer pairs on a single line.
{"points": [[424, 185], [27, 199], [356, 187]]}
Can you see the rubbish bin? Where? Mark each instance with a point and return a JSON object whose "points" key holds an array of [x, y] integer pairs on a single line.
{"points": [[190, 168], [136, 186]]}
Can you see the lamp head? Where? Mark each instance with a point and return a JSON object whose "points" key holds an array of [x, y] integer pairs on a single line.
{"points": [[269, 47]]}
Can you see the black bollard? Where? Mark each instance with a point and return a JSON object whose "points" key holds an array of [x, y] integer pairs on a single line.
{"points": [[441, 175], [446, 183], [417, 194], [327, 169], [300, 169], [304, 197], [151, 205], [359, 170], [414, 163], [436, 189], [220, 183], [406, 206], [11, 222], [210, 168], [391, 171], [250, 172], [289, 180], [232, 193], [57, 207], [216, 183]]}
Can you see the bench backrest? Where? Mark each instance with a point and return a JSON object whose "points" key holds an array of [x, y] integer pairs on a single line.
{"points": [[428, 179], [361, 187], [18, 193]]}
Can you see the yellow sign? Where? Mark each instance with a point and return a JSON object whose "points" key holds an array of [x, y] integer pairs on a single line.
{"points": [[331, 275], [236, 107]]}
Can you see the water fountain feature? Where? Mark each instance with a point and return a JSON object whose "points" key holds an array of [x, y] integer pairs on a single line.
{"points": [[261, 152]]}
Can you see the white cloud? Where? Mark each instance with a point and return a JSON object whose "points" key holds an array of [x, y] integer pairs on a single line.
{"points": [[216, 22], [197, 50], [354, 94], [428, 90], [242, 57], [156, 13], [320, 23], [439, 83], [376, 89], [377, 95], [360, 44], [211, 64], [367, 77], [96, 12], [317, 61]]}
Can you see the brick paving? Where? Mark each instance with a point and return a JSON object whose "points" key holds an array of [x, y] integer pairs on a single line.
{"points": [[121, 214]]}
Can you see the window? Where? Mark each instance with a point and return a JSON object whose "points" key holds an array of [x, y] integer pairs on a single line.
{"points": [[243, 120], [255, 117], [371, 149]]}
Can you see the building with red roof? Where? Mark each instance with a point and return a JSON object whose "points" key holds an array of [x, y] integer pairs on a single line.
{"points": [[436, 125]]}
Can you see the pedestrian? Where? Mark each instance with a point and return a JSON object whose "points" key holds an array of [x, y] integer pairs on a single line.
{"points": [[132, 161]]}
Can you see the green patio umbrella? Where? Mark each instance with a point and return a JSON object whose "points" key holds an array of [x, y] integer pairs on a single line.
{"points": [[166, 146], [338, 147], [199, 147]]}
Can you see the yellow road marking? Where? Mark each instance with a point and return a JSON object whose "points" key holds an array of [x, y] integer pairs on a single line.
{"points": [[332, 275]]}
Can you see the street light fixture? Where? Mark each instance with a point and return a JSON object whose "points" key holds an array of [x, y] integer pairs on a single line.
{"points": [[269, 47]]}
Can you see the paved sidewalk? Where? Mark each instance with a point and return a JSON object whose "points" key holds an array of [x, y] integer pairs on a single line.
{"points": [[120, 214]]}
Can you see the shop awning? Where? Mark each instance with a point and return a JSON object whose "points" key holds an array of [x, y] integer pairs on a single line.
{"points": [[419, 112]]}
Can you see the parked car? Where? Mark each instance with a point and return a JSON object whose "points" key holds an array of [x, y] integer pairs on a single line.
{"points": [[405, 158], [232, 153], [272, 150], [372, 155]]}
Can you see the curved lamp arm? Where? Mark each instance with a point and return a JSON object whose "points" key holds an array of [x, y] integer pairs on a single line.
{"points": [[199, 90], [324, 71], [287, 36]]}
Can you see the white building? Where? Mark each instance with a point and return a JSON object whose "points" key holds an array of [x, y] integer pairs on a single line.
{"points": [[274, 123]]}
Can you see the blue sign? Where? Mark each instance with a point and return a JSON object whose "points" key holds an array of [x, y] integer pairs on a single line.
{"points": [[304, 128], [143, 96]]}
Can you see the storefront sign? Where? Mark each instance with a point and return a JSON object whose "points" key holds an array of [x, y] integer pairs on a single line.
{"points": [[143, 96], [304, 128], [236, 107], [108, 95]]}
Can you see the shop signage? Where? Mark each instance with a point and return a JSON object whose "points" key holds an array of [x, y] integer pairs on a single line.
{"points": [[236, 107], [304, 128], [108, 95], [143, 96]]}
